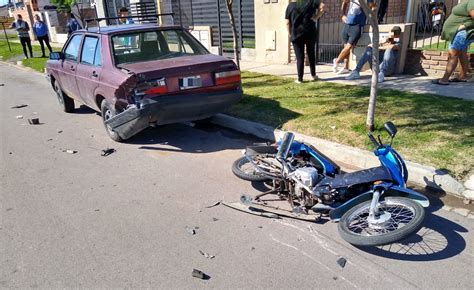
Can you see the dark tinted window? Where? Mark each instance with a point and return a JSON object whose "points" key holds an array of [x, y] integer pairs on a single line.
{"points": [[89, 49], [72, 50], [153, 45]]}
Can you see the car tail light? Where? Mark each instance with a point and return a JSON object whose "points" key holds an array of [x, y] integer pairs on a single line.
{"points": [[227, 77], [154, 87]]}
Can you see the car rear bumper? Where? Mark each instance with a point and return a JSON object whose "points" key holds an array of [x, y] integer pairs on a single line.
{"points": [[171, 109]]}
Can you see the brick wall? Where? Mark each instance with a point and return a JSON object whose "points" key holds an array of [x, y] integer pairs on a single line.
{"points": [[430, 63]]}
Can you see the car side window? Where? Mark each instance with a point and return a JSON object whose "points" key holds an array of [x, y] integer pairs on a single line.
{"points": [[72, 50], [89, 49], [98, 55]]}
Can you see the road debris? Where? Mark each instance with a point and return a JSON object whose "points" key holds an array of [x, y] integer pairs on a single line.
{"points": [[59, 131], [209, 256], [341, 262], [200, 274], [107, 152], [19, 117], [19, 106], [50, 139], [34, 121], [191, 231], [214, 204], [70, 151], [215, 219]]}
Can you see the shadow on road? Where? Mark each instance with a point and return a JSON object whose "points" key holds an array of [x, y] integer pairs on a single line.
{"points": [[439, 239], [191, 138]]}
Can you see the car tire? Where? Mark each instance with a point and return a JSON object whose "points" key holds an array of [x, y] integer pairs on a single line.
{"points": [[108, 112], [66, 103]]}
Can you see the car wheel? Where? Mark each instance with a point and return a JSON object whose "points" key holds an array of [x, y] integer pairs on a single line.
{"points": [[107, 113], [66, 103]]}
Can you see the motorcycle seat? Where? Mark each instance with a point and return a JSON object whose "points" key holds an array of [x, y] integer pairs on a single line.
{"points": [[357, 177]]}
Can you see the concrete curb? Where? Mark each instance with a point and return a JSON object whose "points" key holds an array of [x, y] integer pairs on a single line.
{"points": [[420, 174]]}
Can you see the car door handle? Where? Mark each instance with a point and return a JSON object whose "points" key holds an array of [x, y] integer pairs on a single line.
{"points": [[94, 74], [73, 68]]}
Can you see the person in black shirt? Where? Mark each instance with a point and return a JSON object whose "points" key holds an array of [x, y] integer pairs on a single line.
{"points": [[300, 22]]}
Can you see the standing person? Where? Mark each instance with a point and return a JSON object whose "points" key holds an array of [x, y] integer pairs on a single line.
{"points": [[41, 31], [459, 30], [124, 16], [354, 20], [382, 10], [22, 29], [72, 24], [300, 22]]}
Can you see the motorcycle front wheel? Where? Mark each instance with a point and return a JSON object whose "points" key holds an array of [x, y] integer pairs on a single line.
{"points": [[398, 218]]}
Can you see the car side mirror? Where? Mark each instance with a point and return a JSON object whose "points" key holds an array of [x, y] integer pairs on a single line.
{"points": [[390, 128], [56, 56]]}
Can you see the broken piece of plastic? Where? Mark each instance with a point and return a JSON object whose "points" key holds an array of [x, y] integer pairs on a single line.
{"points": [[107, 152], [34, 121], [19, 106]]}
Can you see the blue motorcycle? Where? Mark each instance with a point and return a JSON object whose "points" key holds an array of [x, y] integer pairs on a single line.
{"points": [[373, 206]]}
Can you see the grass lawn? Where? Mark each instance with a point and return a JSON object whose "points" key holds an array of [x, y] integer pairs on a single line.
{"points": [[35, 63], [433, 130]]}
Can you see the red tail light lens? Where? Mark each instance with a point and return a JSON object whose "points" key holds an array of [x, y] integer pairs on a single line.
{"points": [[154, 87], [227, 77]]}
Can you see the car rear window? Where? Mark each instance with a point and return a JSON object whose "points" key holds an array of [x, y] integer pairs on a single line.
{"points": [[153, 45]]}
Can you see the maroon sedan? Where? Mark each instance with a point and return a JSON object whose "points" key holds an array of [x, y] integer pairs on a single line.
{"points": [[140, 75]]}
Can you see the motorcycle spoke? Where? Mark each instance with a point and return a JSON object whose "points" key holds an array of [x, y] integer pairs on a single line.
{"points": [[400, 215]]}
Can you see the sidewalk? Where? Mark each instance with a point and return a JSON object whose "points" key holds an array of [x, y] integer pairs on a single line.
{"points": [[408, 83]]}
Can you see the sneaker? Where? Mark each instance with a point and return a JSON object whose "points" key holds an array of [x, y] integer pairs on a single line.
{"points": [[355, 75], [334, 65], [342, 71], [298, 82], [381, 77], [315, 78]]}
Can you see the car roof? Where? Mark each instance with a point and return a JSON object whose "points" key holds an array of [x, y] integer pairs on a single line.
{"points": [[127, 28]]}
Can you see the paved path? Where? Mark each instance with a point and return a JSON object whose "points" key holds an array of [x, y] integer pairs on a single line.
{"points": [[82, 220], [408, 83]]}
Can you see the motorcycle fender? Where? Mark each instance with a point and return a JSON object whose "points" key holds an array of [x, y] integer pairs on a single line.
{"points": [[407, 193], [338, 212]]}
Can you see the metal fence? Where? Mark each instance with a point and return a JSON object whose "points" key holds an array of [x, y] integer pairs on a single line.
{"points": [[330, 26], [430, 18], [213, 13]]}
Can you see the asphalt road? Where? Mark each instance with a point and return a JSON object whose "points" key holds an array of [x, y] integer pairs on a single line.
{"points": [[82, 220]]}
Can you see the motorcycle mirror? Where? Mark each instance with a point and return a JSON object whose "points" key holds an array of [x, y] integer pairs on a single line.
{"points": [[390, 128]]}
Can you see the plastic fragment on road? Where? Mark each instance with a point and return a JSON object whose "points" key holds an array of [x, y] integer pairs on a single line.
{"points": [[341, 262], [107, 152], [19, 117], [19, 106], [34, 121], [208, 256], [191, 231], [70, 151], [200, 274]]}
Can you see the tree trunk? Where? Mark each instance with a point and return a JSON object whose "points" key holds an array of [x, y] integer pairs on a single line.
{"points": [[373, 21], [234, 31]]}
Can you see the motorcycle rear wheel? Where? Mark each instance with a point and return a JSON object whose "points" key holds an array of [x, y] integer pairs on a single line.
{"points": [[243, 169], [406, 218]]}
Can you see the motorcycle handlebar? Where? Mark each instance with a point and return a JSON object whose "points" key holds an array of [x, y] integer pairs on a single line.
{"points": [[372, 139]]}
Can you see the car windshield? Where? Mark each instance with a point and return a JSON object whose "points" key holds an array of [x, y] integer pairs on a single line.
{"points": [[153, 45]]}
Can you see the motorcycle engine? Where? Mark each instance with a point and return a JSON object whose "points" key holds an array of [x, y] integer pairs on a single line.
{"points": [[309, 177]]}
